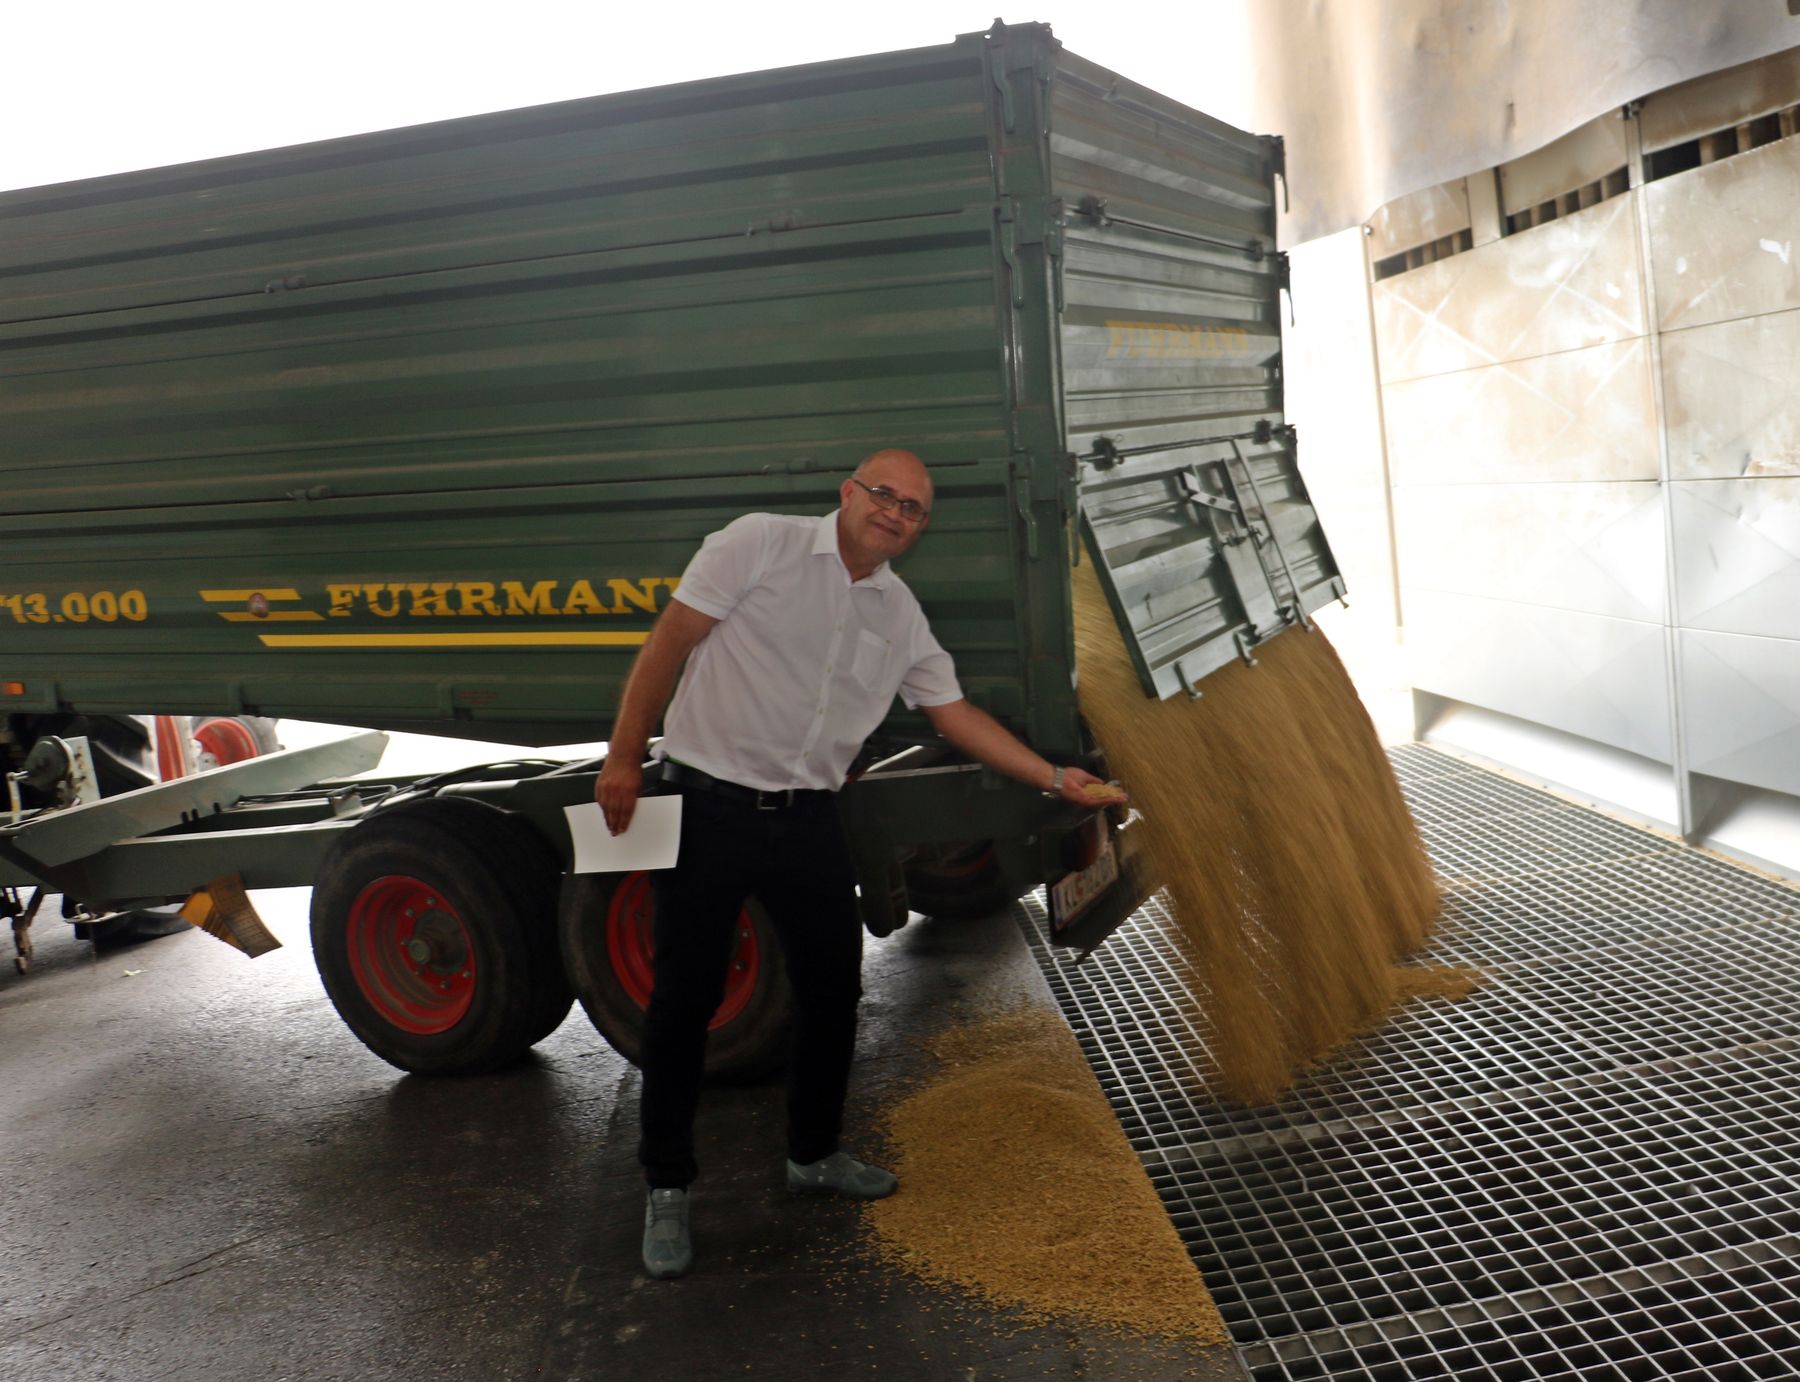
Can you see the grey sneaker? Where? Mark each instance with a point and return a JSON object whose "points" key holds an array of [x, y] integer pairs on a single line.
{"points": [[668, 1252], [841, 1174]]}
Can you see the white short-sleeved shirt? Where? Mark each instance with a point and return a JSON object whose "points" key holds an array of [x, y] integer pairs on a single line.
{"points": [[803, 664]]}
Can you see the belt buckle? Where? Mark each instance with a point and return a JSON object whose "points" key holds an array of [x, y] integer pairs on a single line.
{"points": [[774, 801]]}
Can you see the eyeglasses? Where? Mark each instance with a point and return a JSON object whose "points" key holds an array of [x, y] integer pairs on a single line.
{"points": [[885, 499]]}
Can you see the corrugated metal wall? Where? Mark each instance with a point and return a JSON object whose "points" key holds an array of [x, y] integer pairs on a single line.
{"points": [[423, 426], [1593, 429], [558, 344]]}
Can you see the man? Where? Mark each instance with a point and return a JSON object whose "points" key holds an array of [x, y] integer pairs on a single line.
{"points": [[800, 636]]}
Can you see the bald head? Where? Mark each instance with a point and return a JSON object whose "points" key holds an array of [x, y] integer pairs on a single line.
{"points": [[898, 470], [872, 527]]}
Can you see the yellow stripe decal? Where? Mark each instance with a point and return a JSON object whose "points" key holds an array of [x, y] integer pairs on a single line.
{"points": [[453, 640], [240, 616], [238, 596]]}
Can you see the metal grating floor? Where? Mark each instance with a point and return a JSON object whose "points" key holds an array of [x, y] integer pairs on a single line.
{"points": [[1588, 1169]]}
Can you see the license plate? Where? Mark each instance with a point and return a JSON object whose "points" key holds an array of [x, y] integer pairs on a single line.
{"points": [[1072, 895]]}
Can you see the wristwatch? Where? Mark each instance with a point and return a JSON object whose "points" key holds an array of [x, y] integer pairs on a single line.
{"points": [[1056, 782]]}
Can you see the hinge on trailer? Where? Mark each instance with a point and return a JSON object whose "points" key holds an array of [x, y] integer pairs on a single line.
{"points": [[1022, 495], [996, 37], [1009, 251], [1278, 165], [1284, 281]]}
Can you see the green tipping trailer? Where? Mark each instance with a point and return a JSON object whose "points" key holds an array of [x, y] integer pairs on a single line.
{"points": [[417, 430]]}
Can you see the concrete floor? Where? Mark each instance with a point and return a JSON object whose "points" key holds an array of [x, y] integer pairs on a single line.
{"points": [[210, 1178]]}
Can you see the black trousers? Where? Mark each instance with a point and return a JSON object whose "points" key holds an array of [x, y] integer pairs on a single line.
{"points": [[796, 862]]}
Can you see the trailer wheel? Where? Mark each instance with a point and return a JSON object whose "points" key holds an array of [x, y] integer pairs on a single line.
{"points": [[607, 924], [432, 931], [234, 738], [960, 882]]}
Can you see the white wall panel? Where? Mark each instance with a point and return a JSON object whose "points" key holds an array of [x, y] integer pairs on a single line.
{"points": [[1429, 214], [1584, 415], [1737, 556], [1742, 698], [1603, 679], [1571, 283], [1732, 392], [1328, 359], [1594, 548], [1722, 237]]}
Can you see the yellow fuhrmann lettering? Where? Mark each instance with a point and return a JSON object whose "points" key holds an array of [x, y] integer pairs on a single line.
{"points": [[372, 597], [628, 596], [1140, 340], [540, 599], [639, 593], [429, 599], [582, 600], [476, 597]]}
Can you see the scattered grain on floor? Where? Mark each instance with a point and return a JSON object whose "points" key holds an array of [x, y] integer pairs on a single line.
{"points": [[1272, 820], [1018, 1186]]}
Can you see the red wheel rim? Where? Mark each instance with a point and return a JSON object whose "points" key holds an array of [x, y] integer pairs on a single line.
{"points": [[228, 741], [411, 955], [168, 749], [631, 946]]}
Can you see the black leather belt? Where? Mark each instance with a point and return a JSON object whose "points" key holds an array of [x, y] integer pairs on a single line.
{"points": [[693, 780]]}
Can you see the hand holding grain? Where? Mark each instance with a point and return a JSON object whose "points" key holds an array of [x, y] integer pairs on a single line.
{"points": [[1084, 789]]}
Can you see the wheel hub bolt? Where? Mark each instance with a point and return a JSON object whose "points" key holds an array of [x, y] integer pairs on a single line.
{"points": [[418, 951]]}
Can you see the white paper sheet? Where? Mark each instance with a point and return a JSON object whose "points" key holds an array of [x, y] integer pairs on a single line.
{"points": [[650, 842]]}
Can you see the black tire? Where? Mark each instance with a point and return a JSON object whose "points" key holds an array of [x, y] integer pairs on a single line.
{"points": [[604, 927], [553, 992], [477, 891], [960, 882]]}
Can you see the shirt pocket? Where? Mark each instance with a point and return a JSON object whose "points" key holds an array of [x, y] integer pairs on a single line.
{"points": [[870, 662]]}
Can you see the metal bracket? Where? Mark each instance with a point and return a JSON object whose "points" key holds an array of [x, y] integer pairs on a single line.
{"points": [[1022, 497], [1287, 569], [1053, 247], [1189, 480], [1009, 251], [996, 38]]}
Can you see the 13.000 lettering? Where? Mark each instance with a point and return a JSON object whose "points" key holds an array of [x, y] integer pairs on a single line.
{"points": [[101, 606]]}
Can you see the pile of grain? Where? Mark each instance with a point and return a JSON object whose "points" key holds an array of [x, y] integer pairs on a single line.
{"points": [[1018, 1186], [1273, 822]]}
